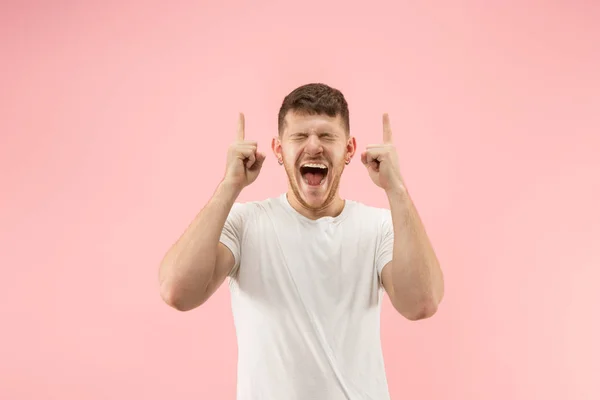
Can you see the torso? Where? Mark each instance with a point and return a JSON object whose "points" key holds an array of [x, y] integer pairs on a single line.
{"points": [[306, 303]]}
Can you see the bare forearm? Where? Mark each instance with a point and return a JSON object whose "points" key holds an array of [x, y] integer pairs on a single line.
{"points": [[187, 268], [416, 275]]}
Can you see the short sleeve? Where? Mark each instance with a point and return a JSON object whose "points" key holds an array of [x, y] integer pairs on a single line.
{"points": [[385, 248], [231, 235]]}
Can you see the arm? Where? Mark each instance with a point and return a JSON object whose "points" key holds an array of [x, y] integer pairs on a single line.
{"points": [[413, 279], [197, 264]]}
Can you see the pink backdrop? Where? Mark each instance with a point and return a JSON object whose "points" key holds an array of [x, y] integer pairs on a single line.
{"points": [[115, 120]]}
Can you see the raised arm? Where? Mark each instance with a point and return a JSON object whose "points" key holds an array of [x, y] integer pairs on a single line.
{"points": [[414, 281], [197, 264]]}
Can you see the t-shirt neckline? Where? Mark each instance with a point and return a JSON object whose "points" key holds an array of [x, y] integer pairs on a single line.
{"points": [[284, 199]]}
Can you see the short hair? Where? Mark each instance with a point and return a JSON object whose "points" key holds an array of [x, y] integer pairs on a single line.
{"points": [[314, 99]]}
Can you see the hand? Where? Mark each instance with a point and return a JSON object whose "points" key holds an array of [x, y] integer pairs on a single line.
{"points": [[243, 161], [381, 161]]}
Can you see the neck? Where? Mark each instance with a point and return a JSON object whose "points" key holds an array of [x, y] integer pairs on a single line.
{"points": [[332, 208]]}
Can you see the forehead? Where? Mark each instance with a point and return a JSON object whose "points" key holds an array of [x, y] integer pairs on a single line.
{"points": [[307, 123]]}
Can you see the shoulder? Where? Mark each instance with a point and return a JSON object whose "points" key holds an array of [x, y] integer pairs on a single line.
{"points": [[255, 208], [373, 214]]}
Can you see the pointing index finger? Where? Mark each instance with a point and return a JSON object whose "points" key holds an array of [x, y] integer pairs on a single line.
{"points": [[241, 127], [387, 129]]}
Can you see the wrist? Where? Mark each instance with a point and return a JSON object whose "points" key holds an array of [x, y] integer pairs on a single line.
{"points": [[397, 192], [230, 189]]}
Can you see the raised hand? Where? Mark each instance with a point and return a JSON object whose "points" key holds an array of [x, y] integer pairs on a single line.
{"points": [[381, 161], [243, 160]]}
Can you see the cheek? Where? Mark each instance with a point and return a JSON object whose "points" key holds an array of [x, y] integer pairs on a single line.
{"points": [[290, 153], [337, 154]]}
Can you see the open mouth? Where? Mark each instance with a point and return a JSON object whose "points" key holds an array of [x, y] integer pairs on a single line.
{"points": [[314, 174]]}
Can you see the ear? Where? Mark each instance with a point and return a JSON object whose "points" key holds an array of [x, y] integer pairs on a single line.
{"points": [[276, 147], [350, 148]]}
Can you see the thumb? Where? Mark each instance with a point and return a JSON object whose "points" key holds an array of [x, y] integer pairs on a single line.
{"points": [[260, 159], [369, 162]]}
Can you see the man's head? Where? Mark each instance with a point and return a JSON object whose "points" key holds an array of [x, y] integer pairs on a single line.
{"points": [[314, 143]]}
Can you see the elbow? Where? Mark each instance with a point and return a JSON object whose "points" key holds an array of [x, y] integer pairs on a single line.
{"points": [[423, 310], [177, 291], [174, 297], [428, 305], [172, 291]]}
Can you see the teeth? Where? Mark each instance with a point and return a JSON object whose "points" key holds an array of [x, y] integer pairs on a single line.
{"points": [[312, 165]]}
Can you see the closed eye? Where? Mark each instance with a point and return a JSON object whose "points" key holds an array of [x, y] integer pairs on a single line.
{"points": [[322, 136]]}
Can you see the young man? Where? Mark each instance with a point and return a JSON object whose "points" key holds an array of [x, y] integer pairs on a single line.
{"points": [[307, 269]]}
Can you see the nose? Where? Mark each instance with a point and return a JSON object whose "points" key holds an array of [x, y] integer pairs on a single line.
{"points": [[313, 145]]}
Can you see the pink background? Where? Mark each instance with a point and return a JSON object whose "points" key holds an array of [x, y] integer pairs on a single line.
{"points": [[115, 119]]}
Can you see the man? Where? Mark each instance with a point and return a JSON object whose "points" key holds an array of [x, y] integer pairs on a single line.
{"points": [[307, 269]]}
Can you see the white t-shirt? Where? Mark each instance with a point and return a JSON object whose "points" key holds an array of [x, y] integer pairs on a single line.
{"points": [[306, 298]]}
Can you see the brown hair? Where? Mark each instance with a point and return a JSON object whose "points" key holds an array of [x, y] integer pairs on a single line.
{"points": [[315, 98]]}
